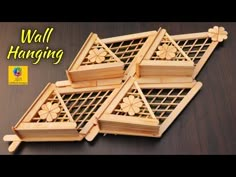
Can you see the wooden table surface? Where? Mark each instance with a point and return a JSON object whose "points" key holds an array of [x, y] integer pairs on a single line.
{"points": [[206, 126]]}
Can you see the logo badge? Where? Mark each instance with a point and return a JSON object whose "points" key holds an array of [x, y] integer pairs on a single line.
{"points": [[17, 75]]}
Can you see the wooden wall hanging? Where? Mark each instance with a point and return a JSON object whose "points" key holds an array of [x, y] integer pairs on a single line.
{"points": [[134, 84]]}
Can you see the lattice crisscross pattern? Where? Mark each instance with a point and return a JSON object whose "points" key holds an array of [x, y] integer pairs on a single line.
{"points": [[82, 106], [195, 48], [164, 101], [178, 55], [143, 113], [62, 116], [98, 51], [127, 50]]}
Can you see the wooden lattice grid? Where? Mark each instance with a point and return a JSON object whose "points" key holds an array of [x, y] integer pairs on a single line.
{"points": [[82, 106], [93, 108], [198, 46], [130, 48]]}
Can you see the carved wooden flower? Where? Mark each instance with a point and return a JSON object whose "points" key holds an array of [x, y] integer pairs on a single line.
{"points": [[217, 33], [131, 105], [166, 52], [96, 55], [49, 111]]}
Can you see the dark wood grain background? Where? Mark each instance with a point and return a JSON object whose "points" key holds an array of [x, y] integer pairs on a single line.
{"points": [[206, 126]]}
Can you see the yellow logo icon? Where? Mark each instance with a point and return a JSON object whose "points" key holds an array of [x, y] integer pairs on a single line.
{"points": [[17, 75]]}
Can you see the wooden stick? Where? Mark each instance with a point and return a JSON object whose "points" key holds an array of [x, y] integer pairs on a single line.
{"points": [[127, 37], [14, 146], [190, 36], [93, 133], [63, 83], [11, 138]]}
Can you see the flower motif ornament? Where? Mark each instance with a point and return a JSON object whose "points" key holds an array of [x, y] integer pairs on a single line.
{"points": [[49, 111], [97, 55], [131, 105], [217, 33], [166, 52]]}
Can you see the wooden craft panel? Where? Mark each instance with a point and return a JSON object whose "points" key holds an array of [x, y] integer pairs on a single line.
{"points": [[134, 84]]}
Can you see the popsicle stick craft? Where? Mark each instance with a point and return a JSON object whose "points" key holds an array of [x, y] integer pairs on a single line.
{"points": [[135, 84]]}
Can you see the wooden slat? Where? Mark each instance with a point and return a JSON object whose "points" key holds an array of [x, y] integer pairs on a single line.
{"points": [[63, 83], [164, 79], [127, 37], [128, 120], [93, 133], [114, 81], [166, 68], [48, 125], [84, 84], [54, 138], [169, 85], [14, 146], [69, 90], [190, 36], [11, 138], [127, 131]]}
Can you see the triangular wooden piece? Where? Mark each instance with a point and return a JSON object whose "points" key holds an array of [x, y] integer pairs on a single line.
{"points": [[165, 59], [128, 112], [95, 61], [49, 115]]}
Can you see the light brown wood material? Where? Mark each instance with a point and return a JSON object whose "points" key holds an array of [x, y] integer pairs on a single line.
{"points": [[129, 120], [134, 84], [83, 51], [204, 58], [127, 37], [47, 126], [166, 68], [36, 104], [14, 146], [93, 133], [180, 107], [11, 138], [164, 79]]}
